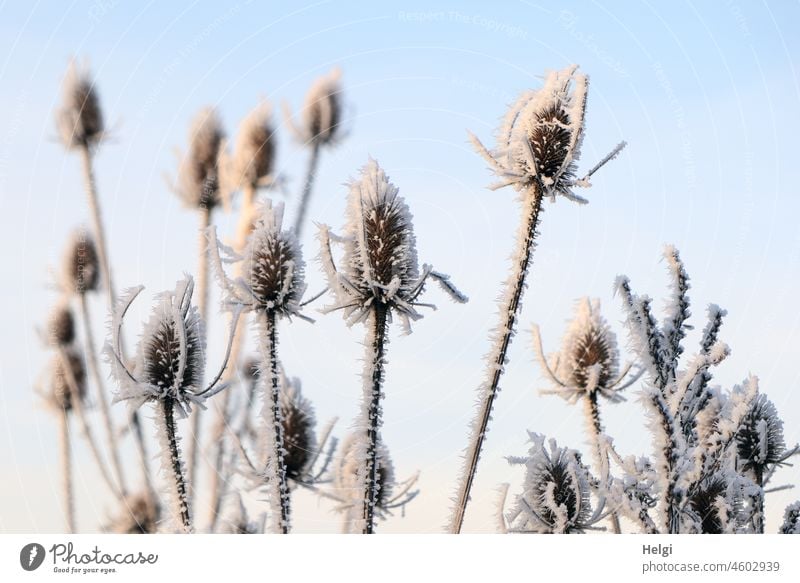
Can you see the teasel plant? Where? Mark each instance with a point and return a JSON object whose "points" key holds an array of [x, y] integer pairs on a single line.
{"points": [[320, 127], [271, 286], [250, 168], [556, 493], [169, 371], [379, 280], [586, 369], [791, 519], [347, 491], [198, 186], [538, 146], [81, 126]]}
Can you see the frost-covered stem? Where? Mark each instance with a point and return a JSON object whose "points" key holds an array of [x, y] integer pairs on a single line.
{"points": [[179, 482], [509, 311], [307, 187], [144, 459], [201, 289], [218, 480], [373, 387], [595, 429], [66, 472], [105, 411], [758, 516], [86, 429], [273, 416]]}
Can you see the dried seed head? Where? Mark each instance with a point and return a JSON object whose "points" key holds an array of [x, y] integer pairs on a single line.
{"points": [[198, 173], [346, 472], [555, 497], [298, 428], [67, 383], [60, 326], [137, 516], [273, 267], [791, 519], [254, 154], [251, 369], [759, 440], [81, 272], [80, 118], [709, 506], [239, 522], [322, 110]]}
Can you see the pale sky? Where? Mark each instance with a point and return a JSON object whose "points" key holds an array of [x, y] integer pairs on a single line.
{"points": [[706, 95]]}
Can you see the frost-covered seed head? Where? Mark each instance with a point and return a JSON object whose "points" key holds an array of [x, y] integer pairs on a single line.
{"points": [[346, 472], [198, 173], [791, 519], [759, 440], [62, 395], [298, 429], [322, 110], [254, 154], [60, 326], [705, 505], [138, 516], [81, 267], [273, 269], [80, 118], [589, 350]]}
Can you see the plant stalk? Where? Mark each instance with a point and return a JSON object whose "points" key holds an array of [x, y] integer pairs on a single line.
{"points": [[311, 173], [181, 491], [509, 313], [66, 473], [595, 428]]}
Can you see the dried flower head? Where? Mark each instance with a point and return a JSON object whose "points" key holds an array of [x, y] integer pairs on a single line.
{"points": [[139, 515], [198, 172], [67, 383], [589, 358], [322, 111], [298, 419], [81, 267], [760, 442], [380, 255], [791, 519], [556, 492], [171, 353], [345, 476], [714, 506], [539, 142], [254, 154], [273, 270], [60, 326], [80, 118]]}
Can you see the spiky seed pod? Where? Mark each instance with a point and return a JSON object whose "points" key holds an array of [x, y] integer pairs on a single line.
{"points": [[81, 265], [345, 475], [254, 154], [759, 440], [198, 173], [299, 421], [139, 515], [590, 348], [61, 391], [322, 110], [791, 519], [80, 118], [709, 506], [60, 326], [556, 490]]}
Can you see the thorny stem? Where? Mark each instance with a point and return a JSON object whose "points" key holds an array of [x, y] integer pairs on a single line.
{"points": [[202, 306], [508, 312], [93, 201], [372, 394], [307, 187], [94, 370], [168, 410], [269, 355], [595, 429], [66, 473], [77, 405]]}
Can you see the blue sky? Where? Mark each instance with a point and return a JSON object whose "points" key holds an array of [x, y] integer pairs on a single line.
{"points": [[706, 95]]}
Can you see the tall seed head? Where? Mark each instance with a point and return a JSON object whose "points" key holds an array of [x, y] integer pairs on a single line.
{"points": [[322, 110], [81, 266], [254, 154], [760, 441], [589, 355], [198, 173], [62, 394], [60, 326], [298, 428], [80, 118]]}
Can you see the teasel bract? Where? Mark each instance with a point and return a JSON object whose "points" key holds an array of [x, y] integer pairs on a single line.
{"points": [[198, 186], [587, 368], [321, 127], [169, 370], [538, 146], [271, 286], [379, 279]]}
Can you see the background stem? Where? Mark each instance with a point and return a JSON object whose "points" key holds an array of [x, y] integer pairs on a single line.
{"points": [[66, 473], [595, 428], [311, 173]]}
